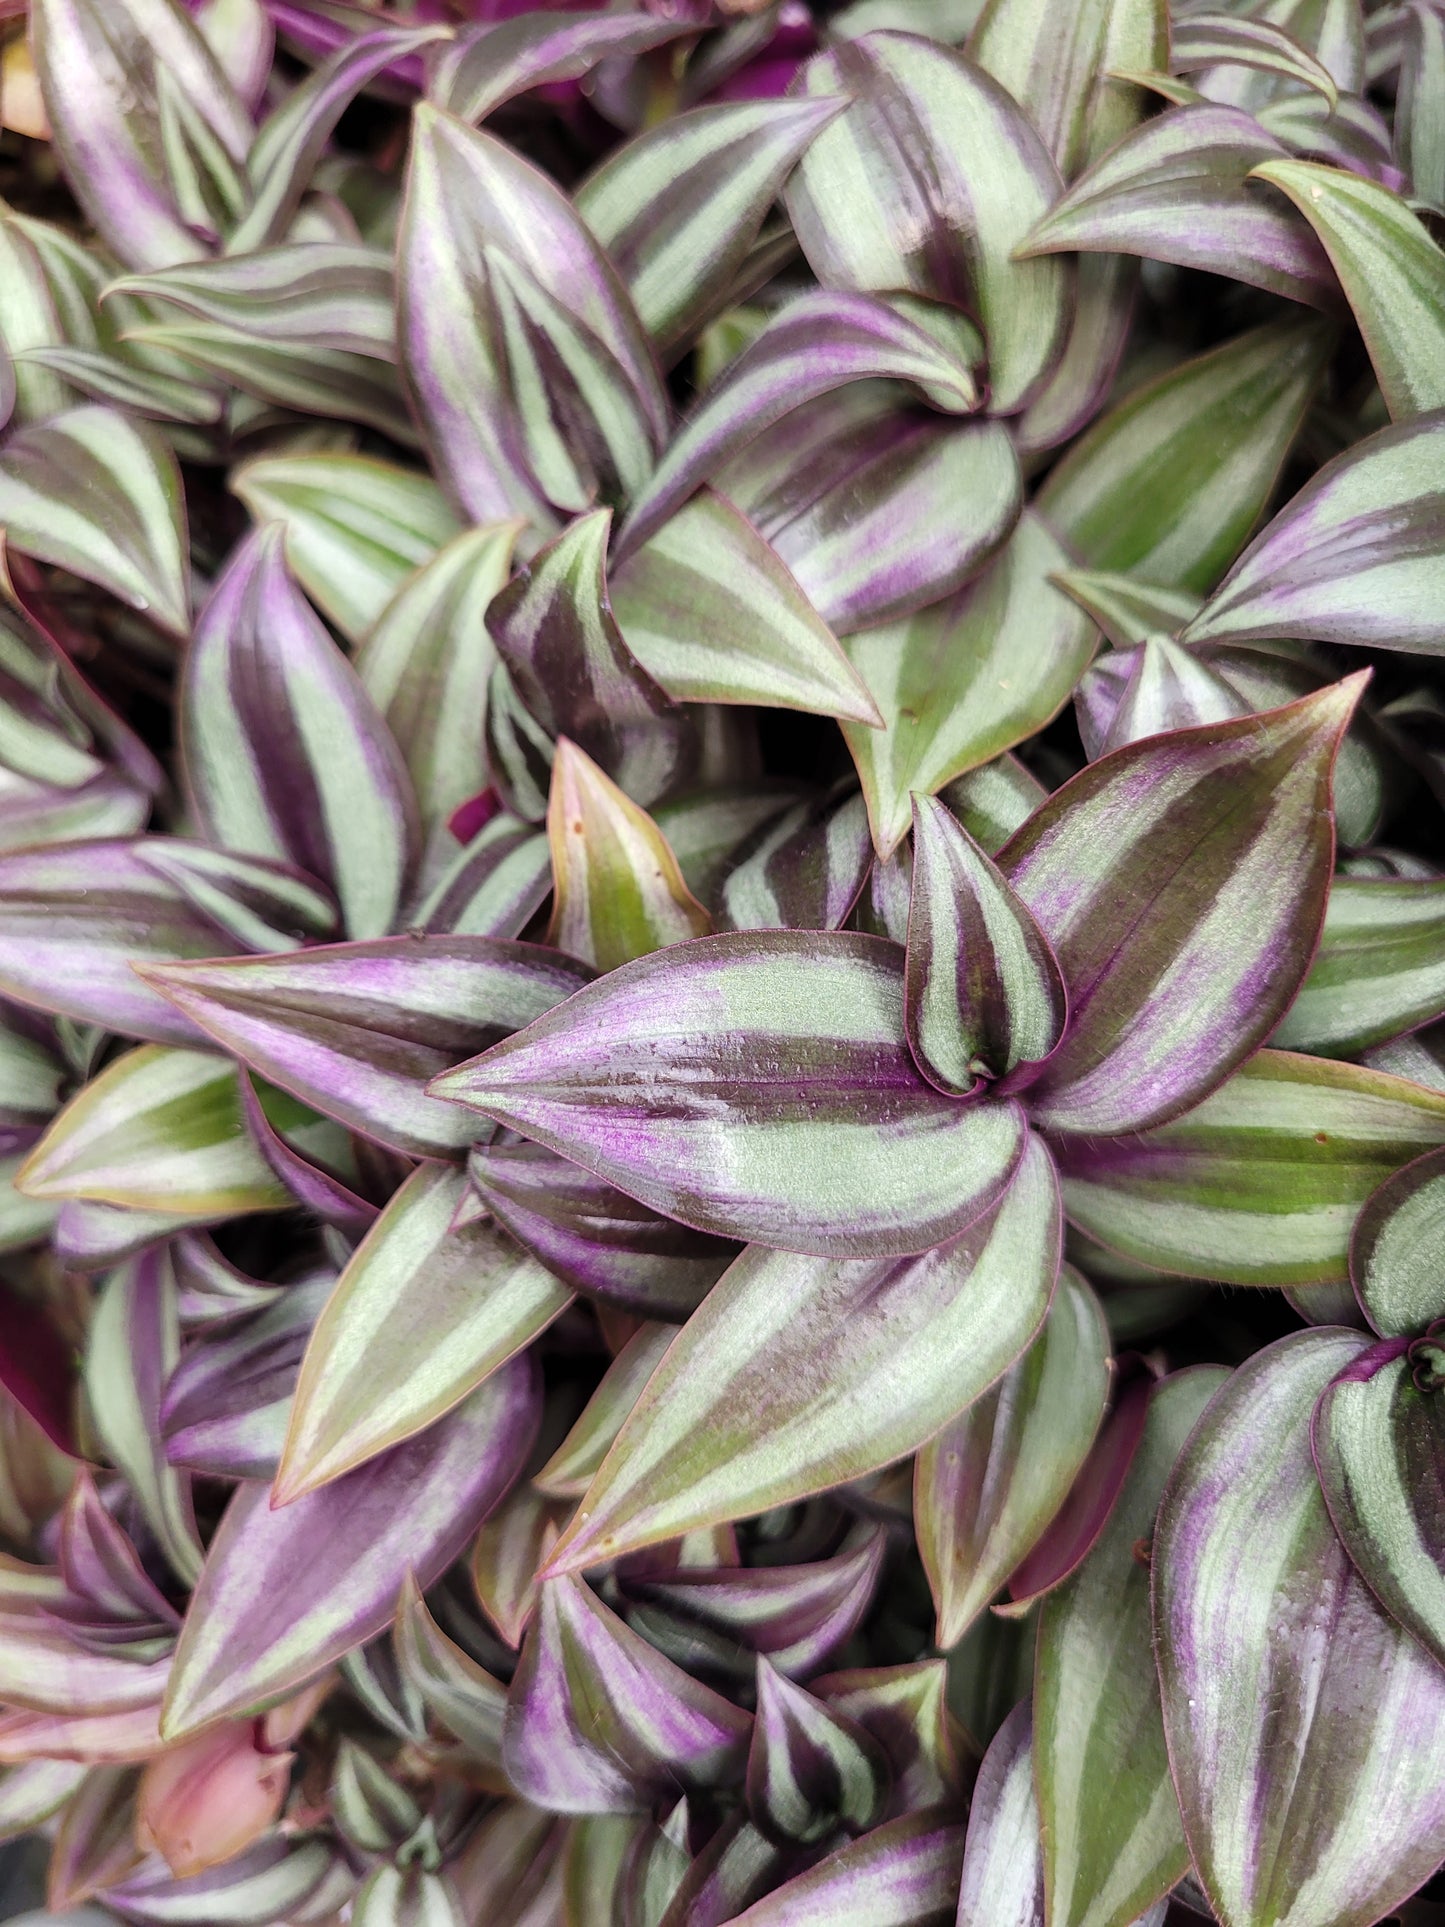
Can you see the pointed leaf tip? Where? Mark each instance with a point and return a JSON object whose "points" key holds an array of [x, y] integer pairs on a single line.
{"points": [[984, 993]]}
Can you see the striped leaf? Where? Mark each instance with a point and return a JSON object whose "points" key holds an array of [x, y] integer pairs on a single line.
{"points": [[961, 681], [877, 508], [323, 294], [1106, 286], [484, 67], [593, 1236], [984, 994], [799, 1616], [226, 1403], [994, 800], [102, 65], [273, 1879], [802, 871], [158, 1130], [573, 1466], [131, 1351], [468, 193], [308, 380], [355, 527], [598, 1722], [1379, 1435], [1379, 970], [811, 1769], [287, 1592], [1355, 556], [1330, 30], [810, 1095], [1096, 1701], [1207, 40], [617, 892], [902, 1874], [1303, 1723], [989, 1483], [494, 885], [357, 1029], [713, 615], [1147, 491], [679, 206], [1419, 130], [294, 135], [1003, 1868], [1262, 1182], [1394, 1254], [286, 755], [1392, 273], [462, 1694], [449, 1306], [1071, 1534], [409, 1896], [1227, 836], [1064, 81], [1167, 689], [818, 343], [1127, 610], [99, 494], [869, 219], [571, 667], [426, 662], [585, 433], [796, 1374]]}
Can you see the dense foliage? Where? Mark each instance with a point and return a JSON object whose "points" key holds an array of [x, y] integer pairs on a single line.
{"points": [[722, 971]]}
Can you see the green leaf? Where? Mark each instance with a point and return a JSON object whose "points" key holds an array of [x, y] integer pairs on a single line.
{"points": [[966, 677], [320, 294], [1097, 1719], [1064, 79], [989, 1483], [159, 1130], [678, 207], [96, 493], [1207, 40], [1379, 1435], [1177, 189], [1169, 484], [617, 890], [713, 615], [870, 219], [1396, 1250], [1354, 557], [1392, 273], [1379, 970], [305, 379], [1262, 1182], [797, 1374], [426, 662], [355, 527], [574, 1465], [446, 1306], [1419, 124], [1127, 610]]}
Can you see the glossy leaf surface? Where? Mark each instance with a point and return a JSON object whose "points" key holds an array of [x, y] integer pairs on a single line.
{"points": [[809, 1095], [818, 1371]]}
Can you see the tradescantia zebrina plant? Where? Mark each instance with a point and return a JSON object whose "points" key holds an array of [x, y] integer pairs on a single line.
{"points": [[722, 963]]}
